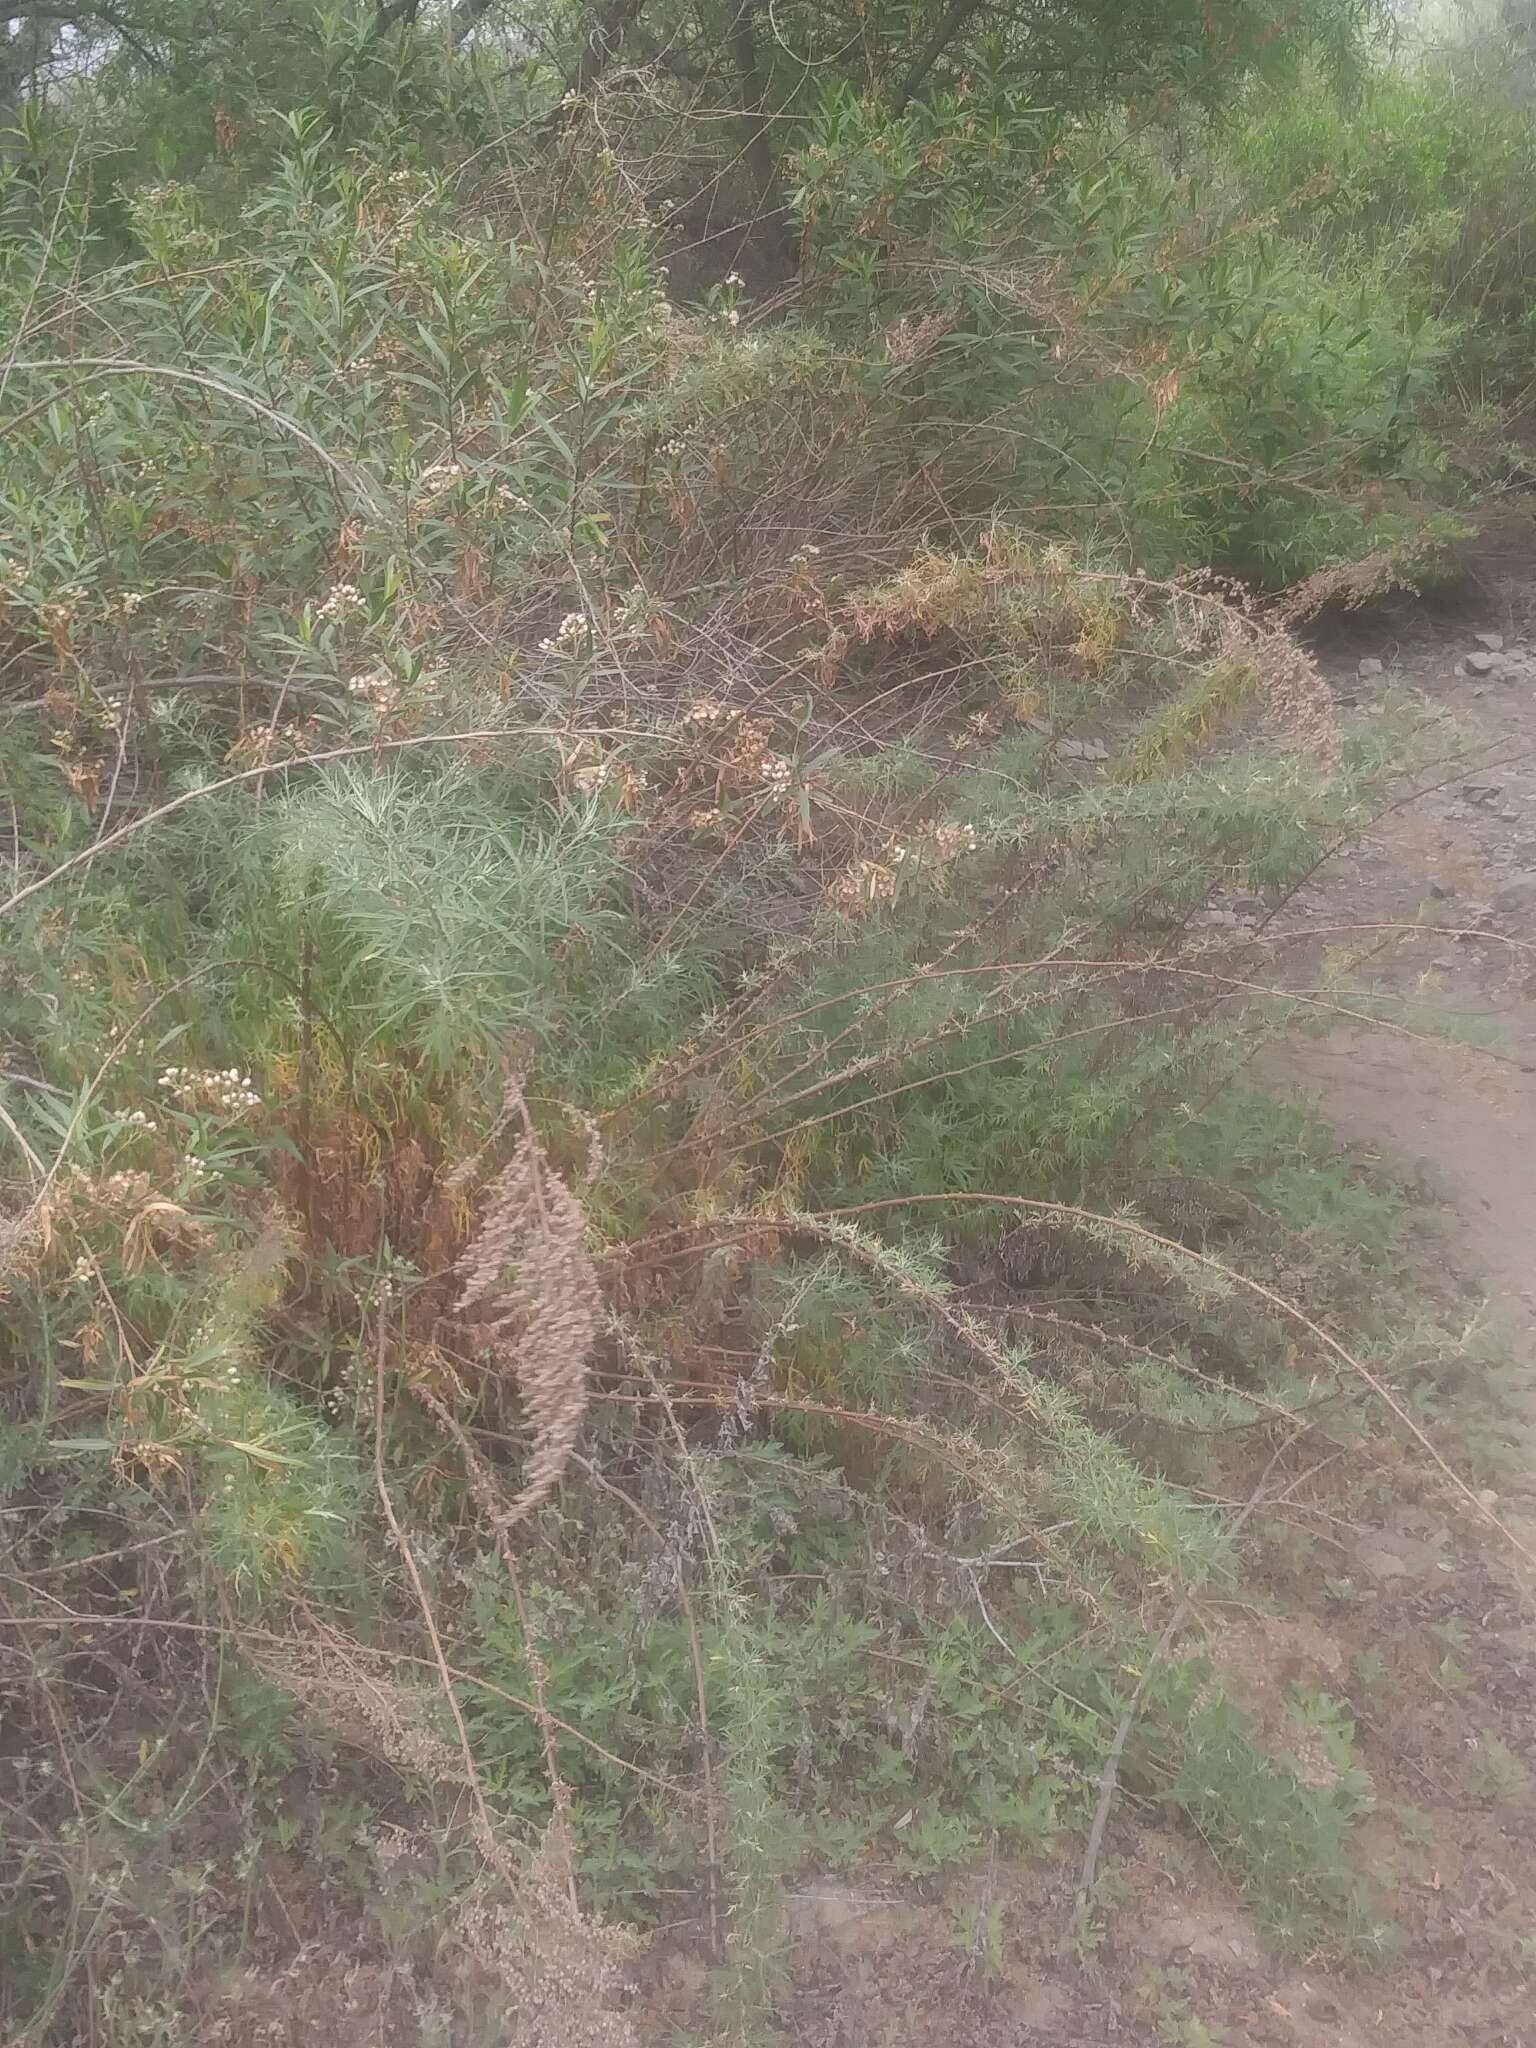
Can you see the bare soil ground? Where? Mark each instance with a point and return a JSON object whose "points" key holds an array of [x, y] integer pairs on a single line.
{"points": [[1459, 858]]}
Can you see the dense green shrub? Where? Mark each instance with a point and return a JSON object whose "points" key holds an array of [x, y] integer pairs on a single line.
{"points": [[581, 863]]}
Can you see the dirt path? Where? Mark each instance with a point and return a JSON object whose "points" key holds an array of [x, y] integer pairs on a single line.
{"points": [[1460, 858]]}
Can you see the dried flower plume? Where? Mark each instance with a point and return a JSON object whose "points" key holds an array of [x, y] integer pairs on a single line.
{"points": [[526, 1269]]}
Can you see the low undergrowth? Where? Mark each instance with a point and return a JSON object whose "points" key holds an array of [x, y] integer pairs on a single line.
{"points": [[640, 1253]]}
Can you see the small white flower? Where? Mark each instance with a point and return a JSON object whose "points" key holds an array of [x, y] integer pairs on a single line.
{"points": [[344, 600], [570, 635], [229, 1090], [435, 479]]}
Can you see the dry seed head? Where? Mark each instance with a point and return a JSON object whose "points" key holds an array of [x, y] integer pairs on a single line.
{"points": [[1292, 685], [859, 887], [526, 1269], [360, 1702], [560, 1976]]}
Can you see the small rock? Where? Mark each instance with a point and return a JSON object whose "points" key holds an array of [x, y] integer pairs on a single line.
{"points": [[1493, 643], [1481, 792], [1482, 664], [1249, 906], [1442, 892], [1518, 893], [1082, 750], [1368, 667]]}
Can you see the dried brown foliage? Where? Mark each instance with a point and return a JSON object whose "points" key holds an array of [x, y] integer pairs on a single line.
{"points": [[527, 1276], [525, 1973], [1293, 688], [1351, 584], [558, 1981], [362, 1703]]}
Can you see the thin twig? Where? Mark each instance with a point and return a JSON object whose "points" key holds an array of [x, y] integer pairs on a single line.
{"points": [[497, 1514], [487, 1833]]}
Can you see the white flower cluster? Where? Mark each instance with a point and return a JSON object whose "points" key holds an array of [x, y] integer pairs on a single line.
{"points": [[569, 636], [675, 446], [129, 602], [735, 282], [803, 555], [437, 478], [776, 772], [376, 688], [223, 1088], [126, 1188], [939, 842], [627, 784], [69, 602], [706, 711], [344, 600], [139, 1120]]}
